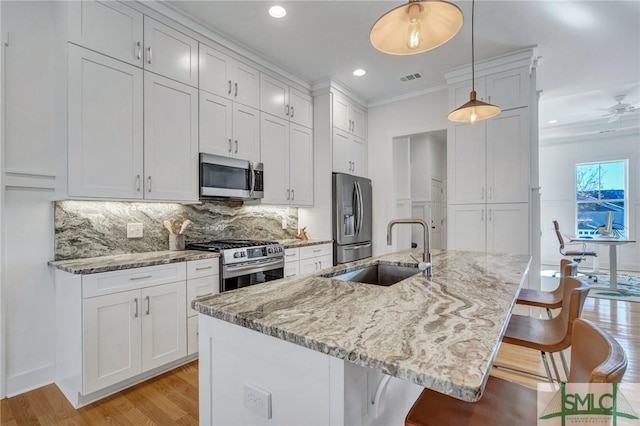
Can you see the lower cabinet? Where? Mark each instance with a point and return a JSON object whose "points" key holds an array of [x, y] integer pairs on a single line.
{"points": [[307, 259], [491, 228], [116, 328], [203, 278]]}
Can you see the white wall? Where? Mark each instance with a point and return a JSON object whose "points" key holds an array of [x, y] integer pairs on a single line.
{"points": [[557, 180], [412, 116]]}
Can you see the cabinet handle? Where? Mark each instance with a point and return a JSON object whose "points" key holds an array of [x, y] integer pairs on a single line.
{"points": [[482, 195], [292, 113], [288, 194], [316, 263], [149, 182], [148, 305], [490, 214], [490, 192], [317, 251], [286, 110], [204, 268], [138, 183], [136, 302], [290, 254], [140, 278], [139, 54], [489, 98], [236, 146], [236, 93], [149, 54], [230, 148], [293, 194], [320, 262]]}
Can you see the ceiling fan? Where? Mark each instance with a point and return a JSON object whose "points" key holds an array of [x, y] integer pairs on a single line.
{"points": [[620, 108]]}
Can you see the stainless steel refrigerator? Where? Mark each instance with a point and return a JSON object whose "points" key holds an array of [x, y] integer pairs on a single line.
{"points": [[351, 218]]}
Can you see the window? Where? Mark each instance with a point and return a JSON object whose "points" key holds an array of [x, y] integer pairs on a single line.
{"points": [[601, 188]]}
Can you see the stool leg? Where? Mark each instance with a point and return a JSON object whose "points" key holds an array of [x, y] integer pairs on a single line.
{"points": [[555, 367], [546, 366], [564, 365]]}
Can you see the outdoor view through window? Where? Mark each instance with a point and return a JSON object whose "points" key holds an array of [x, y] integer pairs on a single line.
{"points": [[601, 188]]}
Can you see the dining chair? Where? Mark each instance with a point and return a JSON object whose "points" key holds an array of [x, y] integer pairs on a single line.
{"points": [[577, 255], [596, 357]]}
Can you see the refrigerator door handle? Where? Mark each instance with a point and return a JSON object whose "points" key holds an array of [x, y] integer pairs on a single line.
{"points": [[356, 206], [360, 208]]}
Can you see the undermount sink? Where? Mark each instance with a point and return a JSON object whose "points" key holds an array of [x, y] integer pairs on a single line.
{"points": [[378, 274]]}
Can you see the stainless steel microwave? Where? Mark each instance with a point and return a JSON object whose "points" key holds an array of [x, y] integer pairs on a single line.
{"points": [[224, 177]]}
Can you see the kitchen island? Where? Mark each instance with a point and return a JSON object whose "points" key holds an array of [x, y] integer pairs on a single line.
{"points": [[315, 350]]}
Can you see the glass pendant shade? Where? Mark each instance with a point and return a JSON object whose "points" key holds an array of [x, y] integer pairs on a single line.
{"points": [[473, 111], [416, 27]]}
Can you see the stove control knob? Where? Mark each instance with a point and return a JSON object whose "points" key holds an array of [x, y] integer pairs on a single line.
{"points": [[243, 254], [279, 249], [236, 254], [269, 250]]}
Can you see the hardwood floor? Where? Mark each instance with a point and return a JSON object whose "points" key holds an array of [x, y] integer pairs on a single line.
{"points": [[172, 398]]}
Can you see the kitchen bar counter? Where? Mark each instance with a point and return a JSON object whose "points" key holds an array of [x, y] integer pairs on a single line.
{"points": [[442, 333], [92, 265], [294, 243]]}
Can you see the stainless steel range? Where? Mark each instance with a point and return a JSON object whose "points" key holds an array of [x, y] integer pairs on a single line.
{"points": [[245, 262]]}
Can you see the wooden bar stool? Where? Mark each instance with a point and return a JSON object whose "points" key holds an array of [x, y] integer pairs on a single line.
{"points": [[550, 300], [596, 357], [552, 335]]}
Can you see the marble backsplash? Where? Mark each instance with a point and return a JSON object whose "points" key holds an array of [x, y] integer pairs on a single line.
{"points": [[96, 228]]}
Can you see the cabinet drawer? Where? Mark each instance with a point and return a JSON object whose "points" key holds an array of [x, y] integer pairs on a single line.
{"points": [[198, 287], [315, 251], [192, 335], [130, 279], [202, 268], [291, 269], [291, 255]]}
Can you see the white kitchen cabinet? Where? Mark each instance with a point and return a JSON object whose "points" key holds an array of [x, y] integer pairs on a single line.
{"points": [[111, 335], [291, 262], [170, 53], [225, 76], [108, 27], [488, 162], [349, 154], [229, 129], [202, 279], [307, 259], [105, 126], [349, 117], [508, 89], [281, 100], [491, 228], [288, 162], [171, 139]]}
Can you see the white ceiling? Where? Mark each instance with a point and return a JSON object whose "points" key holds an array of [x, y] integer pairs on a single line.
{"points": [[590, 49]]}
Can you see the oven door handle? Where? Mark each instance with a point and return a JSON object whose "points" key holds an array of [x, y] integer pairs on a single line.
{"points": [[236, 271]]}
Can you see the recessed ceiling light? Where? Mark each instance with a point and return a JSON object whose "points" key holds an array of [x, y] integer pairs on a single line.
{"points": [[359, 72], [277, 11], [552, 121]]}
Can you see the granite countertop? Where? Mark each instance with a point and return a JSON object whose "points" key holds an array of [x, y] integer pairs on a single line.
{"points": [[92, 265], [294, 243], [441, 333]]}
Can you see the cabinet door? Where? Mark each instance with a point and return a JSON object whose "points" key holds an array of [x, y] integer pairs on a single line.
{"points": [[198, 287], [341, 161], [358, 156], [246, 132], [508, 228], [324, 262], [308, 265], [216, 125], [214, 69], [171, 139], [246, 84], [509, 89], [111, 339], [466, 158], [508, 157], [274, 97], [301, 111], [358, 121], [274, 142], [164, 324], [467, 225], [170, 53], [192, 335], [291, 269], [341, 113], [105, 141], [301, 165], [108, 27]]}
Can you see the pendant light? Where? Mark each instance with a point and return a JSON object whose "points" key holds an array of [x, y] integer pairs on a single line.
{"points": [[416, 27], [473, 110]]}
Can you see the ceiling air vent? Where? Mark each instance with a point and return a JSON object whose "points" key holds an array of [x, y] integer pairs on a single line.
{"points": [[410, 77]]}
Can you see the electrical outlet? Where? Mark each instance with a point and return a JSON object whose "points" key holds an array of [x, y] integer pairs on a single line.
{"points": [[257, 400], [134, 230], [284, 223]]}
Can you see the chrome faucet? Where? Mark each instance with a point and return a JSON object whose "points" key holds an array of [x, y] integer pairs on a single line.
{"points": [[425, 265]]}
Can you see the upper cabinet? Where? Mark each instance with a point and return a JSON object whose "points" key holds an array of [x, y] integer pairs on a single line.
{"points": [[107, 27], [348, 116], [284, 101], [170, 53], [508, 89], [224, 76]]}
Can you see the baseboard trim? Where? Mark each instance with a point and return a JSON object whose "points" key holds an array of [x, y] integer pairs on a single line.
{"points": [[30, 380]]}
